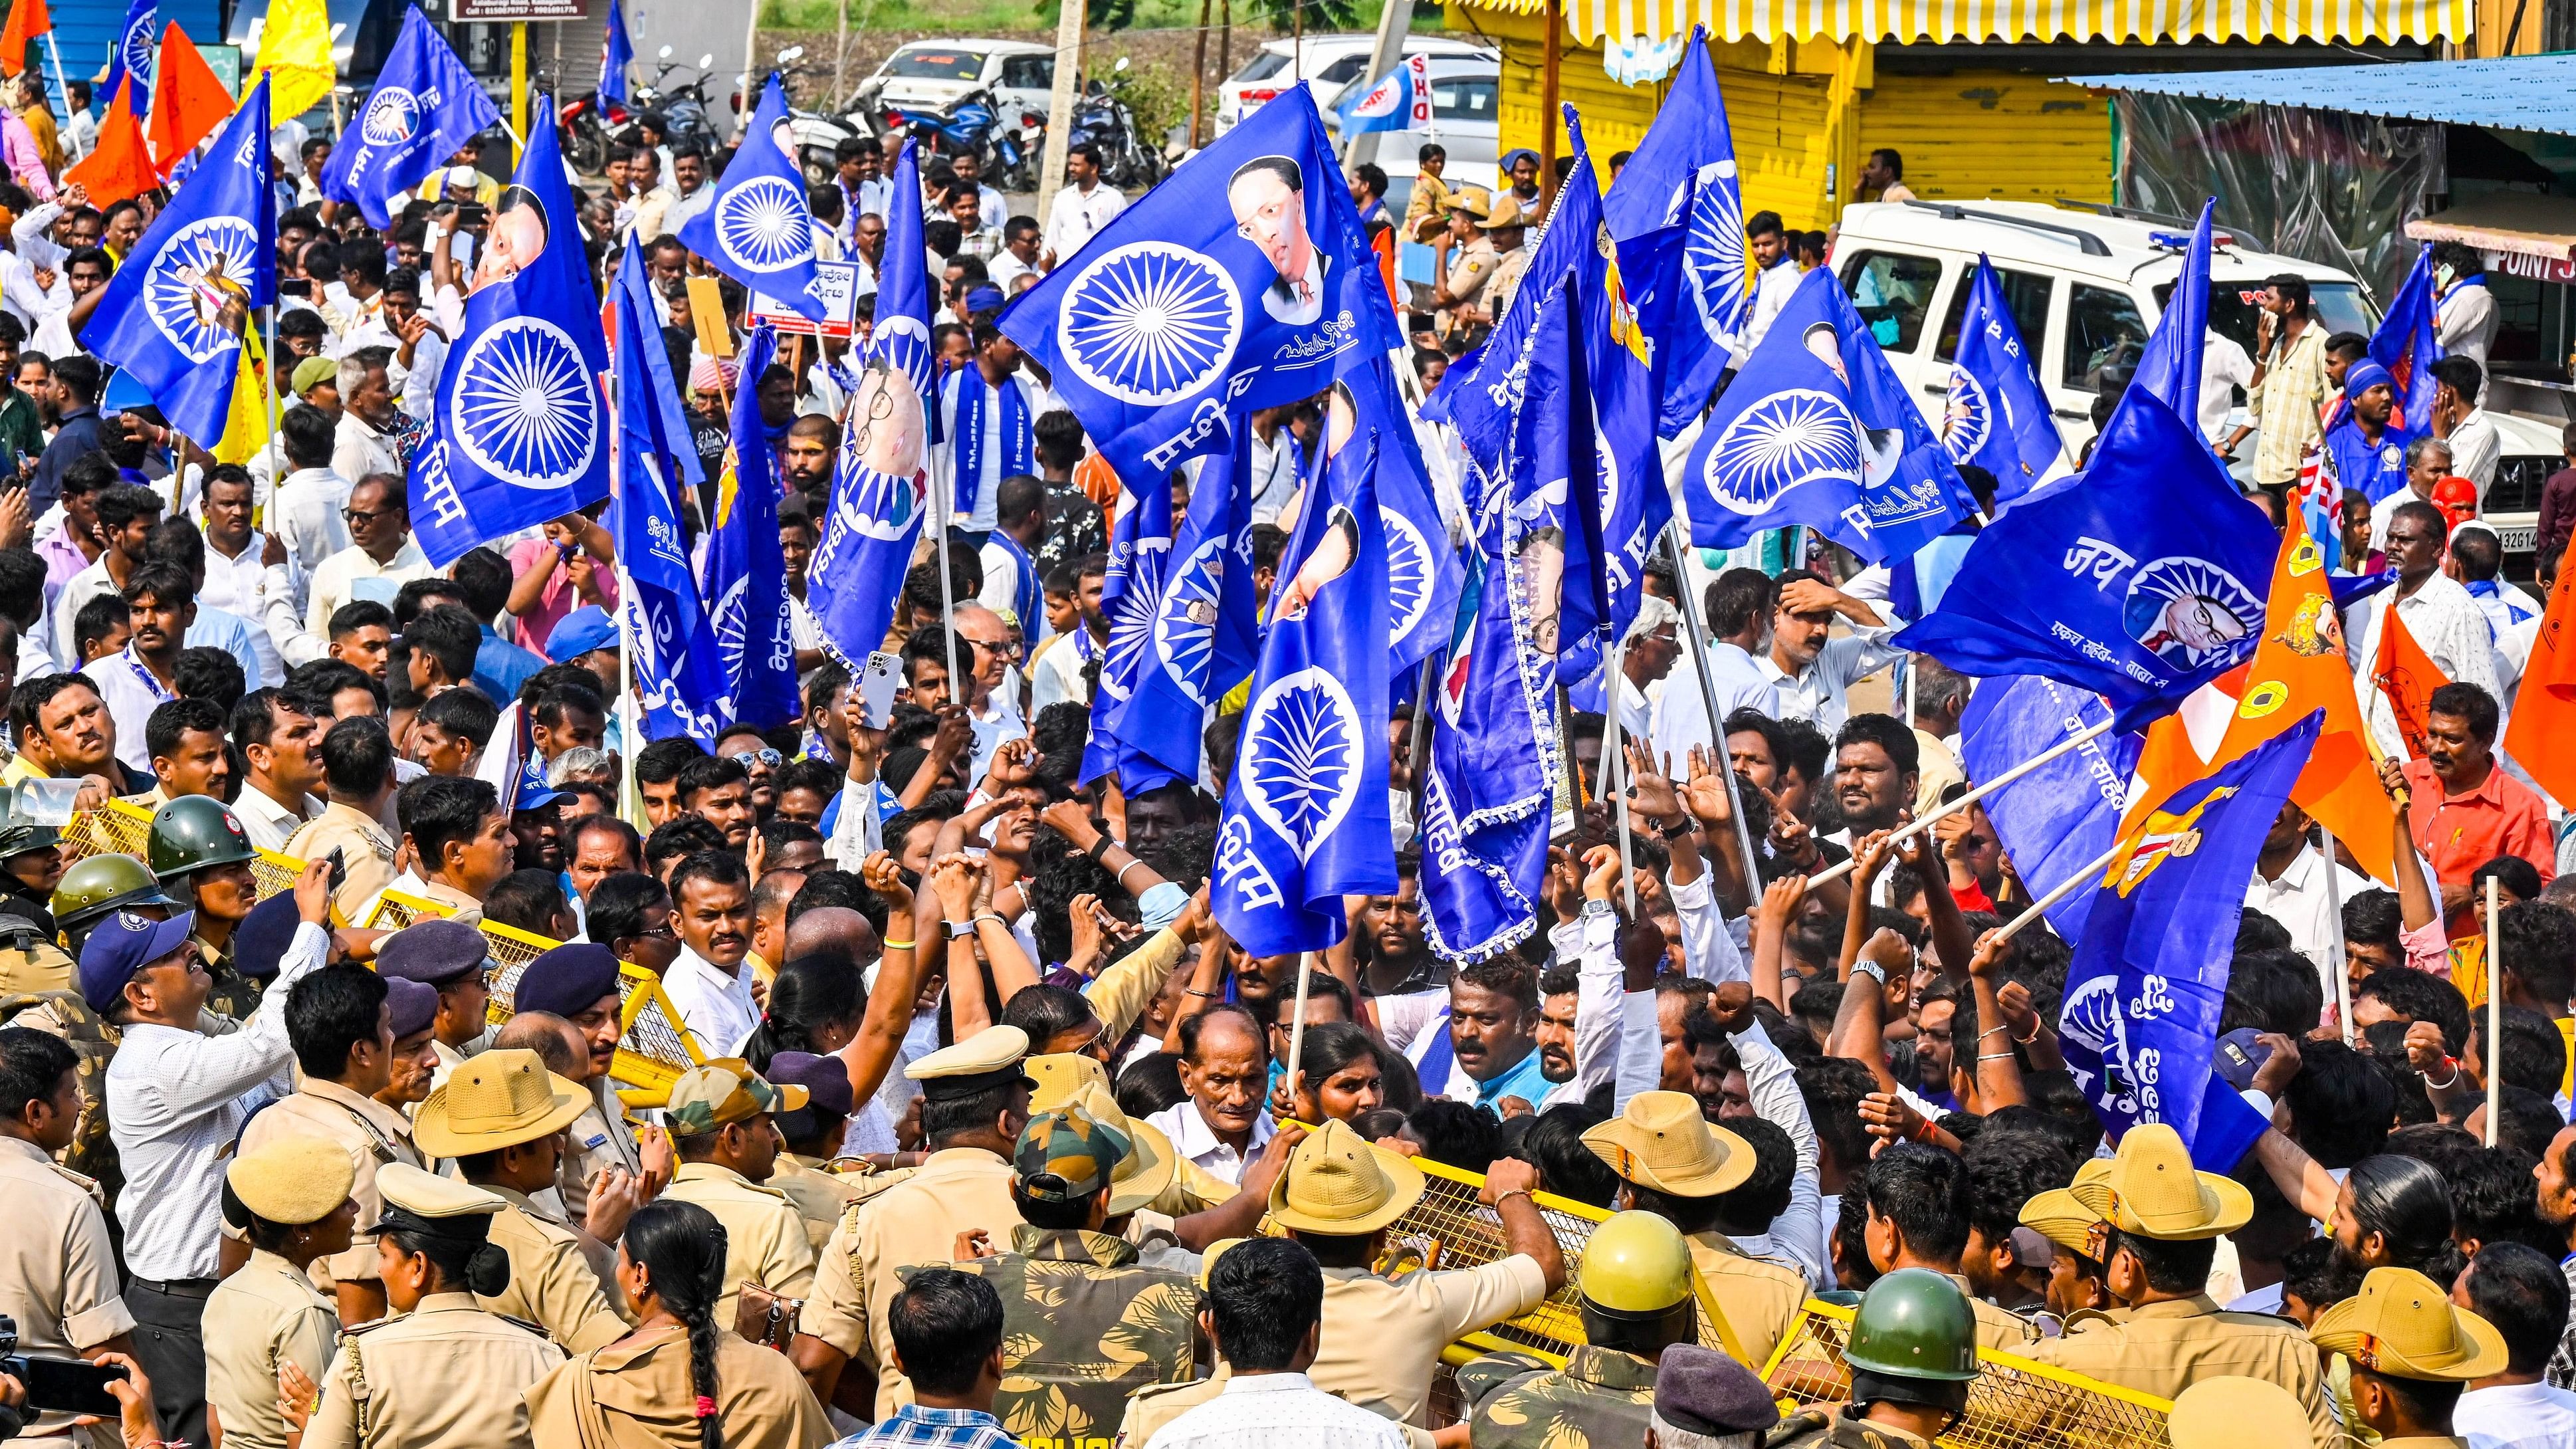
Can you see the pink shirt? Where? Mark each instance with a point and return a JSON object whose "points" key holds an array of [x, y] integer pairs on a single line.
{"points": [[26, 163], [530, 630]]}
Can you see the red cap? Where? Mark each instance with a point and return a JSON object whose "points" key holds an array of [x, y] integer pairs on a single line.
{"points": [[2457, 497]]}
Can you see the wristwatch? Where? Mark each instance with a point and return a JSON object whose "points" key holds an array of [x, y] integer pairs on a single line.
{"points": [[955, 930]]}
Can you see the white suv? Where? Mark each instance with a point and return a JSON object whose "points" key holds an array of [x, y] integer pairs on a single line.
{"points": [[1330, 62], [928, 74]]}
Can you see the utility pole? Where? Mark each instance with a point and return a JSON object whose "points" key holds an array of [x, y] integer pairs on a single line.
{"points": [[1060, 103]]}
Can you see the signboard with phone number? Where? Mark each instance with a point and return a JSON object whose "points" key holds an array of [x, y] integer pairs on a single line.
{"points": [[837, 283], [505, 11]]}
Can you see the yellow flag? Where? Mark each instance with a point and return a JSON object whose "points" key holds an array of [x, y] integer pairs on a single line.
{"points": [[295, 53], [246, 426]]}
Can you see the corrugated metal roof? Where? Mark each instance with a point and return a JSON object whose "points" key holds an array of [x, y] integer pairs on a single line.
{"points": [[2511, 93], [2144, 21]]}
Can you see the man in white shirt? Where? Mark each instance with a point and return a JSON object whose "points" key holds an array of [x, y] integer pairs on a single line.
{"points": [[708, 984], [1003, 405], [984, 649], [1812, 672], [144, 675], [306, 511], [84, 273], [1653, 643], [1018, 258], [80, 133], [1776, 276], [2464, 311], [248, 573], [176, 1099], [2224, 368], [2523, 1296], [2441, 617], [2475, 444], [1056, 671], [283, 748], [382, 557], [2291, 886], [1225, 1067], [1266, 1300], [1080, 210], [364, 441], [690, 192], [1740, 602]]}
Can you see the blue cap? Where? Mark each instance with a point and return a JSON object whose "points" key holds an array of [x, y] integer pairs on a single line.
{"points": [[581, 631], [122, 944], [566, 980], [2236, 1057], [260, 941], [535, 794], [432, 953], [984, 299], [410, 1005]]}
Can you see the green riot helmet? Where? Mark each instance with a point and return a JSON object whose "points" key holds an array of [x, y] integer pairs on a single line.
{"points": [[98, 884], [193, 833], [1913, 1340]]}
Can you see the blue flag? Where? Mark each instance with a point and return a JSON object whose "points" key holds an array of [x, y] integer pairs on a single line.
{"points": [[2139, 579], [425, 106], [2149, 977], [2405, 345], [1694, 288], [1306, 820], [1817, 430], [518, 433], [616, 53], [757, 229], [1422, 568], [2169, 368], [1998, 416], [134, 51], [1140, 547], [881, 481], [2061, 817], [1242, 281], [674, 682], [1202, 639], [744, 572], [1554, 470], [1400, 101], [172, 318]]}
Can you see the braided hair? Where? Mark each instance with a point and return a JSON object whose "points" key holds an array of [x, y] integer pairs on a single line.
{"points": [[681, 1248]]}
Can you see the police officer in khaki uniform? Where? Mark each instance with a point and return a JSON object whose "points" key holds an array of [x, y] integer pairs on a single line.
{"points": [[1639, 1299], [975, 1100], [502, 1118], [721, 1121], [58, 1272], [31, 868], [291, 1200], [2159, 1222], [812, 1135], [98, 884], [366, 849], [1459, 299], [2076, 1279], [2233, 1413], [445, 1374], [1671, 1161], [1912, 1355], [2412, 1354], [579, 982]]}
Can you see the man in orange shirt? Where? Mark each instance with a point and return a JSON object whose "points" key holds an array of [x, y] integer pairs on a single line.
{"points": [[2464, 811]]}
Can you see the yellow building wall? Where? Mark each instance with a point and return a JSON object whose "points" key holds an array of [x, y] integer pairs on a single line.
{"points": [[1991, 134]]}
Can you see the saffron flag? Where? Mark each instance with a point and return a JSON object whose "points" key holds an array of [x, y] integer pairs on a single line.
{"points": [[120, 166], [189, 102], [2408, 676], [28, 19], [295, 52], [2545, 708]]}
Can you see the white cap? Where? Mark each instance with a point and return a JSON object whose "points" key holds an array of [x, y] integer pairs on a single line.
{"points": [[461, 176]]}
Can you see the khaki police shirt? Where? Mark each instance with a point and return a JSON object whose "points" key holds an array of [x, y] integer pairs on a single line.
{"points": [[552, 1284], [638, 1394], [599, 1139], [1761, 1300], [1125, 989], [446, 1375], [365, 846], [46, 968], [262, 1316], [765, 1240], [1996, 1327], [1382, 1337], [820, 1197], [2164, 1348], [1473, 265], [372, 1133], [915, 1221], [58, 1274]]}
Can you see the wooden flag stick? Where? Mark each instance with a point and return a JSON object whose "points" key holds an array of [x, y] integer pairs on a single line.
{"points": [[2089, 875], [1952, 807]]}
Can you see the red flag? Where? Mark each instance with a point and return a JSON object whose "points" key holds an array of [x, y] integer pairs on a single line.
{"points": [[121, 165], [2545, 709], [189, 103], [27, 20], [2408, 676]]}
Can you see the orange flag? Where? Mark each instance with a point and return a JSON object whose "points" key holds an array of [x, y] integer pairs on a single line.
{"points": [[121, 166], [27, 20], [2408, 676], [2545, 708], [189, 102]]}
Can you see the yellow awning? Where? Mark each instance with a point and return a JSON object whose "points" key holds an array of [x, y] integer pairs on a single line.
{"points": [[1591, 21]]}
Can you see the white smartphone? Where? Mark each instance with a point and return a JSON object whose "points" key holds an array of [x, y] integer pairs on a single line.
{"points": [[878, 681]]}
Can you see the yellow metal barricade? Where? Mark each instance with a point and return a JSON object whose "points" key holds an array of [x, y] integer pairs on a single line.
{"points": [[121, 827]]}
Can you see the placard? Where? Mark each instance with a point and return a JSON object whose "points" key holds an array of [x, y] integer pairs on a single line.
{"points": [[837, 283]]}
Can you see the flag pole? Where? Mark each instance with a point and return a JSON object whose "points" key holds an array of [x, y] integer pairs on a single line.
{"points": [[1698, 652], [629, 726], [1297, 1026], [268, 360], [2090, 874], [1614, 758], [2495, 1011], [1916, 827], [54, 53], [2334, 914], [941, 506]]}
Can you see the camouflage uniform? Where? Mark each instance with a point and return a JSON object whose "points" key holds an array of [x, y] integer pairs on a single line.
{"points": [[1601, 1397], [233, 994], [1833, 1424], [1083, 1326]]}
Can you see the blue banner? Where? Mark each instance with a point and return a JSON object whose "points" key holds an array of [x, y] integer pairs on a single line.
{"points": [[1306, 819], [1695, 289], [2405, 345], [1422, 567], [673, 682], [1818, 431], [757, 230], [425, 105], [1400, 101], [881, 481], [616, 53], [744, 573], [1242, 281], [1556, 479], [1203, 638], [2149, 977], [2169, 368], [518, 435], [173, 317], [2061, 817], [1140, 548], [1997, 415], [134, 52]]}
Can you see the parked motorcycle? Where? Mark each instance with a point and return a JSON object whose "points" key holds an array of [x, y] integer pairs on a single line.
{"points": [[1102, 118]]}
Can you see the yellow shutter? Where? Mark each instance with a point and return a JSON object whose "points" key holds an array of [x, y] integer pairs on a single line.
{"points": [[1989, 134]]}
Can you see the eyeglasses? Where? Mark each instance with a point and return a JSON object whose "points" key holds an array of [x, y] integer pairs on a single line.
{"points": [[749, 758], [355, 517]]}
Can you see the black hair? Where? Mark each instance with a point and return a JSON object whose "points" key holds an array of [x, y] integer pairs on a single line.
{"points": [[2537, 942], [1152, 1083], [309, 434], [2403, 1199], [2341, 1104], [422, 595], [124, 503], [1737, 600], [2418, 996], [211, 674], [2466, 703], [681, 835], [2319, 1275], [450, 636], [174, 718], [357, 756], [97, 620], [1832, 1088], [946, 1118], [530, 900], [331, 1011], [463, 713], [1924, 1191], [1465, 1137], [468, 1264], [681, 1248], [2005, 1170], [2521, 1291], [1751, 1205], [32, 1064], [2173, 1265], [1046, 1012], [437, 811], [716, 867], [1265, 1295], [359, 614], [2492, 1202], [808, 994], [1566, 1166], [1888, 733], [615, 911], [2272, 990], [946, 1325]]}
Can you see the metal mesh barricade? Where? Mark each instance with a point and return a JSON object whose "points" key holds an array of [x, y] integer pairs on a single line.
{"points": [[120, 829], [2014, 1403]]}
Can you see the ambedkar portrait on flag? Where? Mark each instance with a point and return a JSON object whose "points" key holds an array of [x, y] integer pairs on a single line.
{"points": [[1268, 197]]}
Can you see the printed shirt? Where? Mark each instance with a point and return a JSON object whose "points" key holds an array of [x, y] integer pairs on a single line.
{"points": [[2288, 403]]}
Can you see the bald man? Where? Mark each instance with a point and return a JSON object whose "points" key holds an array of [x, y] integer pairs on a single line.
{"points": [[993, 710]]}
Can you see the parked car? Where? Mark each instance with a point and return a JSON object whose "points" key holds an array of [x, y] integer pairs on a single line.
{"points": [[1329, 62], [1466, 100], [930, 74]]}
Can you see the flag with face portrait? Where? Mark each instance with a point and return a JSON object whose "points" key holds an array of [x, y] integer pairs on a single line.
{"points": [[1242, 281], [1140, 548], [757, 229], [1202, 639], [424, 105]]}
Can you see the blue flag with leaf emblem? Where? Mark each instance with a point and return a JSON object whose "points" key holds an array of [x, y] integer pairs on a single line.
{"points": [[1818, 431], [173, 316], [1202, 639], [674, 682], [1306, 820], [1997, 416], [881, 480], [518, 434], [1682, 179], [134, 52], [2149, 978], [757, 230], [1140, 546], [1242, 281], [424, 106], [744, 573]]}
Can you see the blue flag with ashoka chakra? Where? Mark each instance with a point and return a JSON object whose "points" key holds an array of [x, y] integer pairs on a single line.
{"points": [[757, 230], [173, 316], [1681, 198], [1140, 545], [1197, 637], [425, 104], [1243, 281], [519, 434]]}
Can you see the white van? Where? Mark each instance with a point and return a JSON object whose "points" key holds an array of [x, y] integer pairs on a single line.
{"points": [[1328, 62]]}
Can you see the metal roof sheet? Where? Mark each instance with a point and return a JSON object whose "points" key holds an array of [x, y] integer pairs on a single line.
{"points": [[2512, 93]]}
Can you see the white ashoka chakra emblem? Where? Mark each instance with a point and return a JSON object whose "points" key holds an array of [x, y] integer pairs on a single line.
{"points": [[731, 615], [1790, 438], [1131, 620], [1301, 758], [1408, 576], [761, 225], [1968, 418], [1713, 253], [1150, 323], [137, 49], [183, 292], [525, 408], [393, 114], [1185, 618]]}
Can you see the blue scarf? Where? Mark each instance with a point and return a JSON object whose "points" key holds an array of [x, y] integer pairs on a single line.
{"points": [[1019, 439], [1026, 600], [2378, 469]]}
